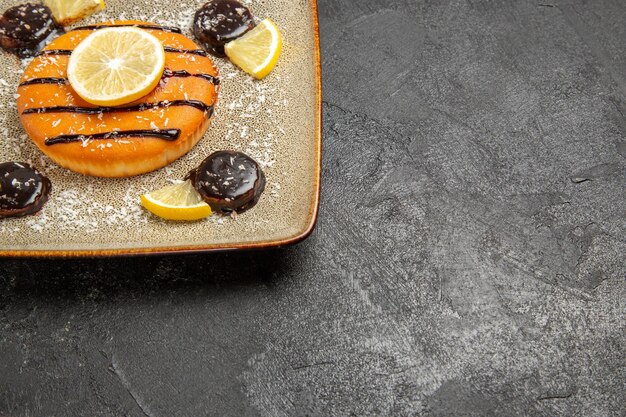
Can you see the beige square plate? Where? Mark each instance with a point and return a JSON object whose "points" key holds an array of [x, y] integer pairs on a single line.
{"points": [[277, 121]]}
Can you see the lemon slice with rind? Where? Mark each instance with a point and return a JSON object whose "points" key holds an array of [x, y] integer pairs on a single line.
{"points": [[257, 51], [179, 201], [115, 66], [66, 12]]}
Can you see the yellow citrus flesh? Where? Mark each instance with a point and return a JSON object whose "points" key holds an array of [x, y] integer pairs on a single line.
{"points": [[115, 66], [257, 51], [66, 12], [176, 202]]}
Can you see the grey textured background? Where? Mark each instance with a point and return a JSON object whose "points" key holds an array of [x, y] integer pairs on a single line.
{"points": [[468, 260]]}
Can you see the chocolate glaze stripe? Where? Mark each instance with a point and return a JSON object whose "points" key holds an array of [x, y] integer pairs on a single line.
{"points": [[47, 52], [167, 134], [139, 107], [172, 29], [184, 74], [44, 80], [199, 52], [167, 73]]}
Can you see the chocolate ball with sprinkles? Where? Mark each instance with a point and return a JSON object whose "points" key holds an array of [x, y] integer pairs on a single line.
{"points": [[26, 28], [229, 181], [219, 22], [23, 189]]}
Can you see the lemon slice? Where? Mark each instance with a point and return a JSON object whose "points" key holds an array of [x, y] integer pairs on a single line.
{"points": [[257, 51], [115, 66], [176, 202], [66, 12]]}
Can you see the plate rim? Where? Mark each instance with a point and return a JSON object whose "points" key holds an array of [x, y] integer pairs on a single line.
{"points": [[297, 237]]}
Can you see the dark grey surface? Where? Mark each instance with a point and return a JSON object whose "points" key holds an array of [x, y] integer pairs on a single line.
{"points": [[469, 256]]}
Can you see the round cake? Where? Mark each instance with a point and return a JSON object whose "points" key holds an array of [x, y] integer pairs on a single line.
{"points": [[126, 140]]}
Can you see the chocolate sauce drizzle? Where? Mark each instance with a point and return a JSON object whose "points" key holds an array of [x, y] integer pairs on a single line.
{"points": [[55, 52], [139, 107], [167, 73], [172, 29], [184, 74], [199, 52], [44, 80], [165, 134]]}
